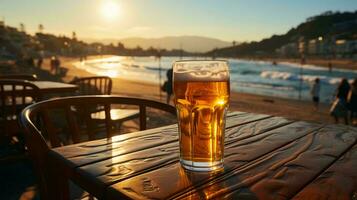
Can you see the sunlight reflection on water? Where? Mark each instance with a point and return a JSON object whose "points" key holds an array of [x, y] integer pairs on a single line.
{"points": [[256, 77]]}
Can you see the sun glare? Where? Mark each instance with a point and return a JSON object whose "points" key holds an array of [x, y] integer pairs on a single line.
{"points": [[110, 10]]}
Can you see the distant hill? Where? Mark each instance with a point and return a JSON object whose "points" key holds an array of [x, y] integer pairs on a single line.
{"points": [[329, 25], [16, 45], [188, 43]]}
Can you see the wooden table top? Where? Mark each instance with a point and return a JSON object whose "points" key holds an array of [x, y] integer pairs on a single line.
{"points": [[266, 157], [54, 87], [47, 87]]}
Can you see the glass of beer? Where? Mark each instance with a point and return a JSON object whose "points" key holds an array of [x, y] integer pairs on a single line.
{"points": [[201, 90]]}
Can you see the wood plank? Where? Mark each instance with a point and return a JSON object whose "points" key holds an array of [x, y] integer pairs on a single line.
{"points": [[46, 87], [284, 172], [243, 118], [172, 179], [339, 181], [240, 132], [50, 86], [97, 175], [94, 151]]}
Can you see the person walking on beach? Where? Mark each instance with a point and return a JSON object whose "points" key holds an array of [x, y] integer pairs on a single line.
{"points": [[58, 65], [315, 93], [352, 100], [329, 66], [339, 106], [52, 63], [168, 85], [39, 62]]}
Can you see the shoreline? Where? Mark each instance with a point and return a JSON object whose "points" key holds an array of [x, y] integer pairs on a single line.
{"points": [[341, 64], [289, 108], [276, 106]]}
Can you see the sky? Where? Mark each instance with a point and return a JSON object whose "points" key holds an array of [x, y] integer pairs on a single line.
{"points": [[239, 20]]}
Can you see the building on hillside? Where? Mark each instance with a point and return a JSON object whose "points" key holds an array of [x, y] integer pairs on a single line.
{"points": [[346, 48], [289, 50], [312, 47], [318, 47], [302, 46]]}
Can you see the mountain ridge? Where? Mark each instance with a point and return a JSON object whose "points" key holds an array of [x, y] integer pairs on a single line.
{"points": [[189, 43], [328, 25]]}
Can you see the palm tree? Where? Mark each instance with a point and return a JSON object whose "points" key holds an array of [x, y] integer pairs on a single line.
{"points": [[74, 35], [40, 28], [22, 27]]}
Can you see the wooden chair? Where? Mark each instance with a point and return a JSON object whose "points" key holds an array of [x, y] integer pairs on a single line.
{"points": [[40, 137], [15, 95], [94, 85], [28, 77], [102, 85]]}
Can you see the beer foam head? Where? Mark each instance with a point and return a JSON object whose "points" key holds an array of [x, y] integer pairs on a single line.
{"points": [[201, 70]]}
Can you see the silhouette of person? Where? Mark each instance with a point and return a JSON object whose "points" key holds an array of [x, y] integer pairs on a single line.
{"points": [[352, 100], [57, 64], [169, 89], [315, 93], [52, 63], [303, 60], [30, 62], [329, 66], [339, 107], [39, 62]]}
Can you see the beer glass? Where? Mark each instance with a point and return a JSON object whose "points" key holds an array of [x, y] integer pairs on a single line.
{"points": [[201, 90]]}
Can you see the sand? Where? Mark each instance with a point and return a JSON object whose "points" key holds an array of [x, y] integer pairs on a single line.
{"points": [[291, 109]]}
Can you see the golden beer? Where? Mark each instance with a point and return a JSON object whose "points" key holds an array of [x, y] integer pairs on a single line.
{"points": [[201, 104]]}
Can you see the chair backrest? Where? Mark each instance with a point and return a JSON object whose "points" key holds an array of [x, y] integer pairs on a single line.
{"points": [[94, 85], [38, 135], [15, 95], [28, 77]]}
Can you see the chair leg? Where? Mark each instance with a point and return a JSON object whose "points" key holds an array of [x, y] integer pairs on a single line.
{"points": [[58, 187]]}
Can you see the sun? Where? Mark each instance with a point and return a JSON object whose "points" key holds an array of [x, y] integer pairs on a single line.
{"points": [[110, 10]]}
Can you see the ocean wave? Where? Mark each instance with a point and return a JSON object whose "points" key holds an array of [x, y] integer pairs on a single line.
{"points": [[295, 77], [313, 67], [264, 86]]}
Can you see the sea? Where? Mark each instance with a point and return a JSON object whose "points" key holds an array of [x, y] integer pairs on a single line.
{"points": [[285, 80]]}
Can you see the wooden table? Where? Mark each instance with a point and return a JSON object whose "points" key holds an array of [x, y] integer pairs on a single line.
{"points": [[50, 87], [265, 157]]}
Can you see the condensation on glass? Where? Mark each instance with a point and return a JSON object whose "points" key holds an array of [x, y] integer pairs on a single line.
{"points": [[201, 90]]}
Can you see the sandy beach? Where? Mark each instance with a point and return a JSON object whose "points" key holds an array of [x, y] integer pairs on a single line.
{"points": [[292, 109]]}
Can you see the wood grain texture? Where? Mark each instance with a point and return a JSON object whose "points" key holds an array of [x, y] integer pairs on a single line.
{"points": [[94, 151], [121, 167], [85, 154], [282, 173], [265, 158], [171, 180], [39, 146], [339, 181], [239, 118]]}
